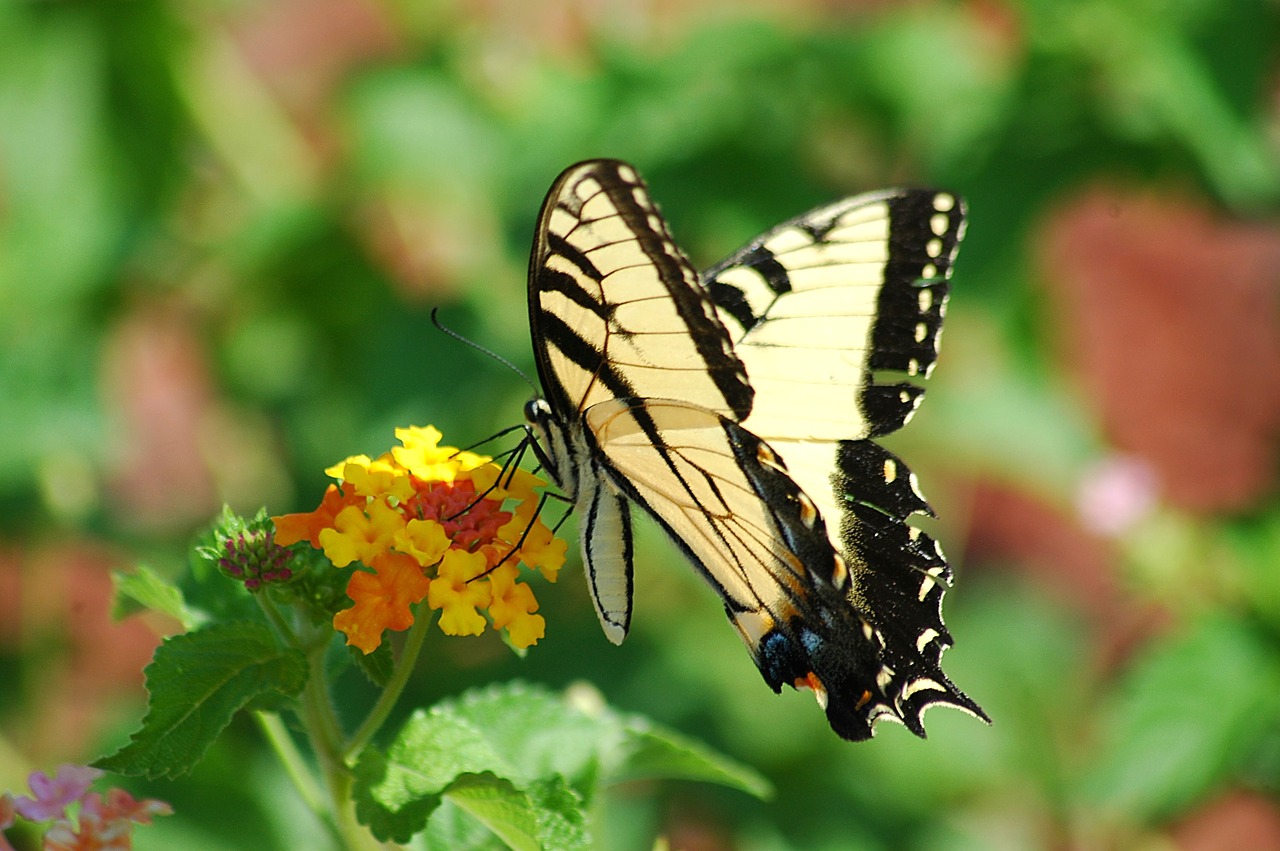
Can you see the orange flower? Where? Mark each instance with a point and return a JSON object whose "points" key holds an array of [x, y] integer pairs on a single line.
{"points": [[382, 600], [291, 528]]}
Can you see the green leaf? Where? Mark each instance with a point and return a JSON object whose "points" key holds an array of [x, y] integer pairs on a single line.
{"points": [[396, 792], [197, 682], [541, 758], [144, 589], [548, 815], [1189, 714], [377, 666], [454, 829], [652, 752]]}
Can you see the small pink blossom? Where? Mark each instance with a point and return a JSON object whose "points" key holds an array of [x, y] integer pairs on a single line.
{"points": [[1116, 493], [54, 795]]}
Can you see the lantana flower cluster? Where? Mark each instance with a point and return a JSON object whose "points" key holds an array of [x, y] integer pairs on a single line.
{"points": [[426, 521], [81, 820]]}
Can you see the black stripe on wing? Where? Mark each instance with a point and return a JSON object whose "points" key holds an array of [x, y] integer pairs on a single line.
{"points": [[881, 263], [925, 229]]}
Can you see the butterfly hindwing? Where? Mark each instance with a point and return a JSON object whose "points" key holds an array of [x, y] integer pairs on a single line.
{"points": [[737, 408]]}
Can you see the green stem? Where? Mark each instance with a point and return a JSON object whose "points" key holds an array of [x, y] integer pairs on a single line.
{"points": [[320, 722], [294, 764], [277, 620], [423, 617]]}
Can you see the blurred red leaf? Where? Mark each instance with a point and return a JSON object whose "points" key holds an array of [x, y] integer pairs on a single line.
{"points": [[158, 387], [1170, 317], [304, 48], [1050, 547], [1238, 820], [79, 663]]}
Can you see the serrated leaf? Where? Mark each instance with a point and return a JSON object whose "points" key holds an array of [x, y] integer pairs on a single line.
{"points": [[453, 829], [508, 812], [548, 815], [562, 817], [1187, 714], [144, 589], [197, 682], [395, 792]]}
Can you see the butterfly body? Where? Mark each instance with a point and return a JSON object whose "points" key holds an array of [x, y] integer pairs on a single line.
{"points": [[736, 409]]}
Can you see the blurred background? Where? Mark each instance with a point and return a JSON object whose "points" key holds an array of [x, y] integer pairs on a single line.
{"points": [[223, 225]]}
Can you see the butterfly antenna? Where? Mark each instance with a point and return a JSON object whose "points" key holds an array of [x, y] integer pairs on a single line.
{"points": [[435, 320], [510, 456]]}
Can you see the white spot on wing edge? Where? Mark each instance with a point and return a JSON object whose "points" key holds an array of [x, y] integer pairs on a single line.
{"points": [[944, 202], [926, 585], [884, 677], [921, 684], [925, 637]]}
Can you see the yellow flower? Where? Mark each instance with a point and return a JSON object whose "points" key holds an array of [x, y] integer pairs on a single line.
{"points": [[378, 478], [544, 551], [456, 596], [540, 549], [425, 540], [515, 483], [360, 535], [423, 456], [513, 605]]}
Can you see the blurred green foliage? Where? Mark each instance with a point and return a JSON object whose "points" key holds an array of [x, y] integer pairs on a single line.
{"points": [[223, 225]]}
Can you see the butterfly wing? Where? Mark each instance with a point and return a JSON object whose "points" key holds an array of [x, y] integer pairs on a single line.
{"points": [[836, 313], [616, 312], [615, 306], [647, 398]]}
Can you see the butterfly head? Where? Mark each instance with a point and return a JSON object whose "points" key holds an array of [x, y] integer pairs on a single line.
{"points": [[549, 440]]}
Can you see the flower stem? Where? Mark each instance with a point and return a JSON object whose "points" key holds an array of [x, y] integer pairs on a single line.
{"points": [[321, 723], [277, 620], [423, 617], [294, 765]]}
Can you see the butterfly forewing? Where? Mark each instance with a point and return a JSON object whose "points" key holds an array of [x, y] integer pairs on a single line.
{"points": [[615, 304]]}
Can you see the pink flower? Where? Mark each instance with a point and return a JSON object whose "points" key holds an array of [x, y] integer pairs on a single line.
{"points": [[52, 796]]}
